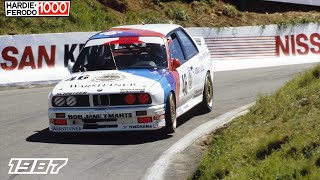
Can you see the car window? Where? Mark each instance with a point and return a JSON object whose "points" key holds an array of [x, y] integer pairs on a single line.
{"points": [[122, 53], [188, 45], [175, 48]]}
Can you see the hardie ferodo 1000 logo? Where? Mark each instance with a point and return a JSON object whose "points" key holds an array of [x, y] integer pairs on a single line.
{"points": [[36, 8]]}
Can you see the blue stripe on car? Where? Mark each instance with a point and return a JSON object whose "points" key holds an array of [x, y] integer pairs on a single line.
{"points": [[170, 80], [167, 83]]}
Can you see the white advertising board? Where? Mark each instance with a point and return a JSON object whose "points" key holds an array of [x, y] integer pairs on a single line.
{"points": [[305, 2], [26, 59], [38, 57]]}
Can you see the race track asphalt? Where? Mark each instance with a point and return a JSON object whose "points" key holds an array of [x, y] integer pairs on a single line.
{"points": [[24, 133]]}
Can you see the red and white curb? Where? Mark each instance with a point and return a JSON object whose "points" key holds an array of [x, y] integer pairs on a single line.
{"points": [[159, 167]]}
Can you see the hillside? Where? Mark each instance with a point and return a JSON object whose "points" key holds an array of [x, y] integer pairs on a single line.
{"points": [[93, 15]]}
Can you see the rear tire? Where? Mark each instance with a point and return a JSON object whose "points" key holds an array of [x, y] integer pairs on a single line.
{"points": [[170, 115], [207, 102]]}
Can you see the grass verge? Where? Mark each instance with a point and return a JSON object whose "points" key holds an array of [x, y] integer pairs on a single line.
{"points": [[85, 15], [278, 139]]}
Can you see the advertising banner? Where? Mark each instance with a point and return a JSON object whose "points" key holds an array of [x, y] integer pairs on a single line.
{"points": [[43, 58], [270, 41], [305, 2], [38, 57]]}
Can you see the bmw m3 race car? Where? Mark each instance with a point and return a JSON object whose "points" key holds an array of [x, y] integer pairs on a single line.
{"points": [[137, 77]]}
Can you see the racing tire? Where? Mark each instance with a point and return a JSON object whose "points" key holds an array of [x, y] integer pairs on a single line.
{"points": [[170, 115], [207, 102]]}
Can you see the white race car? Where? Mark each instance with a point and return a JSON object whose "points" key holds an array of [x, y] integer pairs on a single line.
{"points": [[137, 77]]}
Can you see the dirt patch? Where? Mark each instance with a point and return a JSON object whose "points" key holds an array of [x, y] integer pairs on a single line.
{"points": [[186, 162], [218, 13]]}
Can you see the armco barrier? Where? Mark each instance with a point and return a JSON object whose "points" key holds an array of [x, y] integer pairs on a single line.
{"points": [[43, 57]]}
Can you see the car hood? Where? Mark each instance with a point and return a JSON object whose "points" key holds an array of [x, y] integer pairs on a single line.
{"points": [[111, 81]]}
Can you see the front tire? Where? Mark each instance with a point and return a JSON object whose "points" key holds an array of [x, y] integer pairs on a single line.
{"points": [[170, 114], [207, 102]]}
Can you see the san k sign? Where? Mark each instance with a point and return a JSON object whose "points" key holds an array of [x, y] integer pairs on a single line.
{"points": [[36, 165], [37, 8]]}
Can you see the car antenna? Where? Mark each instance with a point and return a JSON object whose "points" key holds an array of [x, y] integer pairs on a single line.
{"points": [[114, 61]]}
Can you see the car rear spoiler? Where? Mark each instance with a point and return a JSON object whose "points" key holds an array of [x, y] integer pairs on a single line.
{"points": [[200, 41]]}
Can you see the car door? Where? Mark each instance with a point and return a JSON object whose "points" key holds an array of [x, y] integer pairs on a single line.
{"points": [[196, 70], [177, 52]]}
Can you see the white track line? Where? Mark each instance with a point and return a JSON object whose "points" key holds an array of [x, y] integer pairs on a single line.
{"points": [[159, 167]]}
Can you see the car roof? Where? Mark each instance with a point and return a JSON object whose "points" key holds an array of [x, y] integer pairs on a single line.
{"points": [[160, 30]]}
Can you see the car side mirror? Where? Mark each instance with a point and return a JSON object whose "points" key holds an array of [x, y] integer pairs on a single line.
{"points": [[70, 66], [175, 63]]}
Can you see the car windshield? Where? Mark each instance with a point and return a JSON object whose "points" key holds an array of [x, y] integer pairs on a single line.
{"points": [[122, 53]]}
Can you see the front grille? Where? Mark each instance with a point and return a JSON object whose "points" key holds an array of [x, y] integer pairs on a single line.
{"points": [[97, 100], [101, 100]]}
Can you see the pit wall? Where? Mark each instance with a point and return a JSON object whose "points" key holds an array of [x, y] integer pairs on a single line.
{"points": [[43, 58]]}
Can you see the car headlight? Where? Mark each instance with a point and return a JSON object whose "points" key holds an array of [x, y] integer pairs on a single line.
{"points": [[64, 101], [58, 101], [71, 101]]}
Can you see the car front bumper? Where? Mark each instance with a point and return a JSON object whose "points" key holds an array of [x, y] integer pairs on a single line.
{"points": [[106, 119]]}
